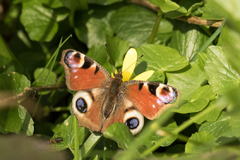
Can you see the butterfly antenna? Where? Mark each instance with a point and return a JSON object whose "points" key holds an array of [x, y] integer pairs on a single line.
{"points": [[110, 58], [133, 62]]}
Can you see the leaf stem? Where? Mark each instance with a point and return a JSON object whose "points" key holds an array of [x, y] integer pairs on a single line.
{"points": [[155, 28], [76, 139], [28, 91]]}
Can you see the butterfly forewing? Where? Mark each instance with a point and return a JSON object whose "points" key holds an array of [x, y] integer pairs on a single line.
{"points": [[82, 72]]}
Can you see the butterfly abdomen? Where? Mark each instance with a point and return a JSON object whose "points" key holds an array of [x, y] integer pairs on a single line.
{"points": [[110, 103]]}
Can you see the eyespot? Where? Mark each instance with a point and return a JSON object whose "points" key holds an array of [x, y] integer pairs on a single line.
{"points": [[81, 105], [132, 123], [134, 120], [166, 94], [81, 102]]}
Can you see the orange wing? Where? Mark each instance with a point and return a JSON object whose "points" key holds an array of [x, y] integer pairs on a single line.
{"points": [[150, 98], [82, 72]]}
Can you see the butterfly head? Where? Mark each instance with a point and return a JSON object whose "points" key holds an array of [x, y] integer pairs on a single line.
{"points": [[119, 75]]}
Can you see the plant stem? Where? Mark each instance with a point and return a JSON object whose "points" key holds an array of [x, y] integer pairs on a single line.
{"points": [[76, 139], [155, 28]]}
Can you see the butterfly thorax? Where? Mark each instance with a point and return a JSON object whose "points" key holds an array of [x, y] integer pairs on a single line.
{"points": [[114, 89]]}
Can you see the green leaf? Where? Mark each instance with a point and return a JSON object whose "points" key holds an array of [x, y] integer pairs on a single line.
{"points": [[94, 25], [65, 131], [117, 48], [31, 60], [227, 125], [187, 81], [202, 57], [233, 98], [161, 58], [156, 136], [44, 77], [8, 61], [16, 120], [103, 2], [99, 54], [135, 28], [231, 39], [39, 21], [165, 5], [185, 9], [61, 13], [220, 128], [97, 30], [213, 115], [89, 144], [222, 76], [52, 3], [14, 82], [120, 133], [209, 12], [200, 142], [231, 10], [198, 101], [41, 80], [187, 39]]}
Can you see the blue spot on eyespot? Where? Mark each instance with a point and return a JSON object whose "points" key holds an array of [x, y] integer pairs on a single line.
{"points": [[132, 123], [81, 105]]}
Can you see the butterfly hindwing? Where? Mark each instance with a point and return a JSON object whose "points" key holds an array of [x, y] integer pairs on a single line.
{"points": [[126, 113], [82, 72], [87, 107]]}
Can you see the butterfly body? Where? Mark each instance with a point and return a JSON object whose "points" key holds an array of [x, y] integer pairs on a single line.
{"points": [[102, 100]]}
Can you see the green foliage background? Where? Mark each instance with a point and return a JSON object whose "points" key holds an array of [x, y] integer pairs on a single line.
{"points": [[201, 62]]}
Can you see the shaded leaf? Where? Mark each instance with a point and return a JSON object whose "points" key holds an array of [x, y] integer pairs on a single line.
{"points": [[16, 120], [39, 21], [136, 28], [8, 61], [187, 39], [98, 52], [94, 25], [117, 48], [66, 132], [14, 82], [41, 80]]}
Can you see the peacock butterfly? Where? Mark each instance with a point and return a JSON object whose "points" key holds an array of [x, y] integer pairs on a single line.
{"points": [[102, 100]]}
